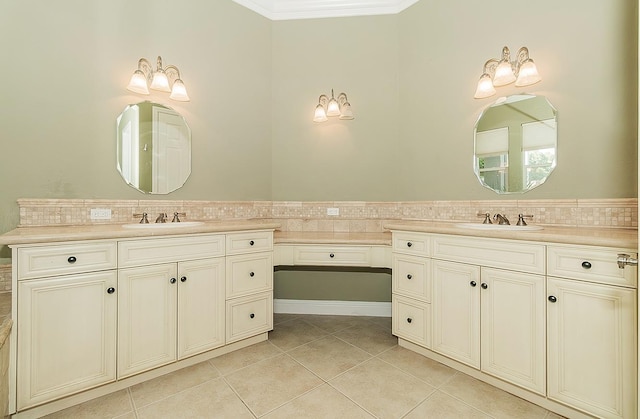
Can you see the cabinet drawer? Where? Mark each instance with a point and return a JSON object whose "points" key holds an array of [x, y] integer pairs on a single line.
{"points": [[504, 254], [251, 273], [332, 256], [411, 276], [170, 249], [411, 243], [411, 320], [35, 262], [249, 316], [253, 241], [593, 264]]}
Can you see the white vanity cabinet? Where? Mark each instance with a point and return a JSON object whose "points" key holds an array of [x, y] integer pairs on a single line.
{"points": [[172, 306], [66, 326], [592, 330]]}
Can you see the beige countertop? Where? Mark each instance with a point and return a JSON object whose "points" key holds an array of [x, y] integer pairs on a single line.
{"points": [[589, 236], [324, 237]]}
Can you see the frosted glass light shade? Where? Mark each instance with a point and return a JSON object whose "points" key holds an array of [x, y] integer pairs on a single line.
{"points": [[346, 112], [485, 87], [179, 92], [528, 74], [333, 108], [138, 83], [320, 115], [504, 74], [160, 81]]}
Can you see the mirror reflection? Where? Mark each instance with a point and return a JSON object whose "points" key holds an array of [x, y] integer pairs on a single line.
{"points": [[516, 143], [153, 148]]}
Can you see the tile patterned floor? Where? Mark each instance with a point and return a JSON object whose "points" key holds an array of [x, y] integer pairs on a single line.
{"points": [[313, 367]]}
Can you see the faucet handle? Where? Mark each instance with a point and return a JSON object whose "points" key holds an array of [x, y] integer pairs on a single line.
{"points": [[487, 217], [144, 219], [521, 221], [176, 219]]}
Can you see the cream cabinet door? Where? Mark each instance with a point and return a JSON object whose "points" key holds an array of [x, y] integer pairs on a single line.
{"points": [[456, 311], [201, 306], [512, 312], [147, 317], [66, 335], [592, 347]]}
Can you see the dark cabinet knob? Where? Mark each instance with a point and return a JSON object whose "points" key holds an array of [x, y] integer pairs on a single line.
{"points": [[173, 280], [331, 255], [409, 244], [251, 274], [484, 285], [409, 276], [409, 320], [111, 290], [473, 283], [251, 243], [586, 264], [72, 259], [183, 279], [252, 315], [553, 298]]}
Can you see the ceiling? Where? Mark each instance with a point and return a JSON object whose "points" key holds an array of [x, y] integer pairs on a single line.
{"points": [[308, 9]]}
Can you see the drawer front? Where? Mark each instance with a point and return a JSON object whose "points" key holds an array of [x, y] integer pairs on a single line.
{"points": [[411, 243], [249, 316], [411, 276], [505, 254], [411, 320], [593, 264], [36, 262], [170, 249], [248, 274], [332, 256], [253, 241]]}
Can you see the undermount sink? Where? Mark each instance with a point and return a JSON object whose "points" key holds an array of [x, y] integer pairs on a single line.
{"points": [[498, 227], [182, 224]]}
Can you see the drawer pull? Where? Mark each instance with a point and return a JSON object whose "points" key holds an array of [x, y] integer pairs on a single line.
{"points": [[251, 243], [586, 264], [409, 320], [172, 280], [409, 276], [251, 274], [473, 283], [484, 285], [183, 279], [111, 290], [409, 244], [252, 315], [552, 298], [72, 259], [331, 255]]}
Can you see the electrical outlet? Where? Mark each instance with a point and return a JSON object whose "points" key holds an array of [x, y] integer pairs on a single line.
{"points": [[100, 213], [333, 211]]}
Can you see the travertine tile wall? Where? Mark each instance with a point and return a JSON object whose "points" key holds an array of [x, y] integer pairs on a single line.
{"points": [[5, 276]]}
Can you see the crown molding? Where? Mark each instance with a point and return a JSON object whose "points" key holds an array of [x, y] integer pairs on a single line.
{"points": [[308, 9]]}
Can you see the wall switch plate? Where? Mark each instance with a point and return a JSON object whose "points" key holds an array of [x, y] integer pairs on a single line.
{"points": [[333, 211], [100, 213]]}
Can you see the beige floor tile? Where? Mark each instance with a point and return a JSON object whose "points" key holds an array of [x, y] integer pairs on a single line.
{"points": [[283, 317], [382, 389], [443, 406], [324, 402], [169, 384], [291, 334], [329, 356], [332, 324], [265, 385], [130, 415], [491, 400], [241, 358], [381, 321], [109, 406], [213, 399], [371, 339], [419, 366]]}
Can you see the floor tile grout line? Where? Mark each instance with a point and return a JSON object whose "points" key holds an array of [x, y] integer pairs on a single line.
{"points": [[133, 404], [353, 401], [239, 397]]}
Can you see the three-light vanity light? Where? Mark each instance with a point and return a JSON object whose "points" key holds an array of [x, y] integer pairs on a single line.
{"points": [[165, 79], [500, 72], [339, 107]]}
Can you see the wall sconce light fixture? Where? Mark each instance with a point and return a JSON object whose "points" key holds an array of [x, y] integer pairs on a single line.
{"points": [[502, 72], [165, 79], [339, 107]]}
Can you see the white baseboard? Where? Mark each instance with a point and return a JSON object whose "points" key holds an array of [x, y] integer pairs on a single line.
{"points": [[343, 308]]}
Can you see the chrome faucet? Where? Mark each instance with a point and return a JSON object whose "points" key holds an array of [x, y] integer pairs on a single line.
{"points": [[162, 218], [502, 219], [487, 217], [144, 219], [521, 221], [176, 219]]}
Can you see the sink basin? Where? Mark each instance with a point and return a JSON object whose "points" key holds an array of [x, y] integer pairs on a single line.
{"points": [[498, 227], [182, 224]]}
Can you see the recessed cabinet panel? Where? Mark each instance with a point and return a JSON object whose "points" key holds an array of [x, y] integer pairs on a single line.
{"points": [[40, 261], [249, 316], [411, 243], [169, 249], [412, 320], [412, 276], [332, 255], [248, 274], [254, 241]]}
